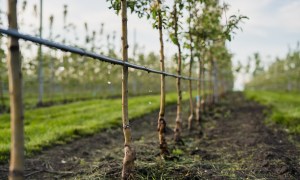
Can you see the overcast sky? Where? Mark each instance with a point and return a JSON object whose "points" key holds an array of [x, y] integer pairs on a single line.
{"points": [[273, 25]]}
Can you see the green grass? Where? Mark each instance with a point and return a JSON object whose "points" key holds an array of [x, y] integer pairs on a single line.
{"points": [[30, 100], [62, 123], [285, 107]]}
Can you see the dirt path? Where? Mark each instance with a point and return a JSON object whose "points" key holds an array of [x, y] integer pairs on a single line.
{"points": [[235, 145]]}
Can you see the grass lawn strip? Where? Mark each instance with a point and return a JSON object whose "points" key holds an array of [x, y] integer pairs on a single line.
{"points": [[62, 123], [285, 107]]}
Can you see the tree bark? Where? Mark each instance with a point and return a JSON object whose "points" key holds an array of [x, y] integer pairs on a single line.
{"points": [[40, 67], [191, 117], [199, 83], [16, 169], [178, 126], [203, 95], [161, 124], [52, 69], [130, 155], [211, 87]]}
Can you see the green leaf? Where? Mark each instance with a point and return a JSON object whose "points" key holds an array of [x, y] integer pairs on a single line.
{"points": [[154, 13]]}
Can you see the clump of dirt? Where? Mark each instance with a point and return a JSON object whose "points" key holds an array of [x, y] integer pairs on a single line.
{"points": [[232, 143]]}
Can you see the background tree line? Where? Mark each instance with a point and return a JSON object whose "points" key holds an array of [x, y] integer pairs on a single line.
{"points": [[282, 75]]}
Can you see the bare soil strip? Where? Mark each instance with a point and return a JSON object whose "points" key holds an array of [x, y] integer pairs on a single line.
{"points": [[235, 144]]}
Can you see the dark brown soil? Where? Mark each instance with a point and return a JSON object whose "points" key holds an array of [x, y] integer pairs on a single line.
{"points": [[235, 144]]}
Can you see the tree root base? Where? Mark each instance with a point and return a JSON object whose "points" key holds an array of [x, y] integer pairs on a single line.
{"points": [[128, 162]]}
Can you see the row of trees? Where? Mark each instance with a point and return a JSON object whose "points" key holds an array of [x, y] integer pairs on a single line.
{"points": [[62, 72], [204, 25], [193, 26], [282, 75]]}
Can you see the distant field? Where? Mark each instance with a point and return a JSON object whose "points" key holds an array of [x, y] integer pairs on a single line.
{"points": [[62, 123], [285, 107]]}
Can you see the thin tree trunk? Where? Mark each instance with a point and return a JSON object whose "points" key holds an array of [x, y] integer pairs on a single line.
{"points": [[161, 124], [203, 99], [216, 83], [211, 87], [129, 157], [199, 83], [178, 126], [16, 169], [52, 70], [40, 68], [191, 117]]}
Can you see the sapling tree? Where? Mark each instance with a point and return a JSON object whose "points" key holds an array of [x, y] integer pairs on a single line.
{"points": [[190, 46], [197, 48], [158, 13], [16, 169], [159, 16], [202, 84], [128, 162], [174, 36], [205, 25], [197, 11], [40, 53], [130, 155], [209, 31], [52, 69], [211, 27]]}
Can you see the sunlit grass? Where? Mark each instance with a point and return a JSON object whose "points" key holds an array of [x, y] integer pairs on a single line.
{"points": [[58, 124], [285, 107]]}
